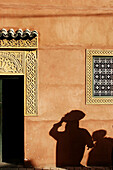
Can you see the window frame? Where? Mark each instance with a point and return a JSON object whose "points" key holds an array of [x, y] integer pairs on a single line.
{"points": [[90, 99]]}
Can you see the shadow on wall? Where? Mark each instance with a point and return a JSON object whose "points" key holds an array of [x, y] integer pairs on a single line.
{"points": [[102, 152], [71, 142]]}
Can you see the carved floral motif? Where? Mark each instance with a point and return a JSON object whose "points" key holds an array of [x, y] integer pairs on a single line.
{"points": [[11, 62]]}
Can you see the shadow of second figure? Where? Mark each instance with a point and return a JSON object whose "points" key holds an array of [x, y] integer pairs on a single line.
{"points": [[101, 153], [71, 142]]}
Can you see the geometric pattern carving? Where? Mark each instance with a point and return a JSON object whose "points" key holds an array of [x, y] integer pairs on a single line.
{"points": [[31, 82], [103, 76], [19, 57], [99, 79]]}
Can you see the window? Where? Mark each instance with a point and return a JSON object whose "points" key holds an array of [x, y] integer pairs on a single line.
{"points": [[99, 76]]}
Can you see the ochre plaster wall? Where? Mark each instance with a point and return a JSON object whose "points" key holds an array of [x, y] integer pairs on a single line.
{"points": [[66, 29]]}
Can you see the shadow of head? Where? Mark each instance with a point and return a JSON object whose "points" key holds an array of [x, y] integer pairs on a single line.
{"points": [[72, 119], [74, 115], [99, 134]]}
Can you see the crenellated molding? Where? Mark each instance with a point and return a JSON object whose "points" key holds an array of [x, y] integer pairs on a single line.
{"points": [[19, 34]]}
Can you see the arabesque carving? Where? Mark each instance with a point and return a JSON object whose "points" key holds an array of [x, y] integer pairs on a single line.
{"points": [[13, 43], [11, 62]]}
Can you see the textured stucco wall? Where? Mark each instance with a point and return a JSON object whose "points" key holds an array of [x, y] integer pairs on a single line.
{"points": [[66, 29]]}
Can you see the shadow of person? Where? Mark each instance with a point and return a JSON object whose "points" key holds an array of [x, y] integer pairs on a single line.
{"points": [[101, 153], [71, 142]]}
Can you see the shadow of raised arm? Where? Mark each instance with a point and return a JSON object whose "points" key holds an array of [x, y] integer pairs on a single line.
{"points": [[54, 131]]}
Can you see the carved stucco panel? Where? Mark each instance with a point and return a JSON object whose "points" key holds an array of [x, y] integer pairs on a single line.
{"points": [[11, 62], [31, 82], [23, 63]]}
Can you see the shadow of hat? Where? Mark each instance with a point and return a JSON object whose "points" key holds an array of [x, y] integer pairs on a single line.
{"points": [[99, 134], [74, 115]]}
